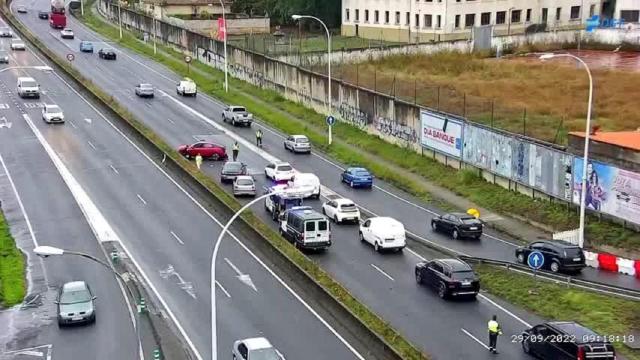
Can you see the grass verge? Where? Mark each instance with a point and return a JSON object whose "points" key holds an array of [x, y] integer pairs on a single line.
{"points": [[464, 183], [606, 315], [387, 334], [12, 273]]}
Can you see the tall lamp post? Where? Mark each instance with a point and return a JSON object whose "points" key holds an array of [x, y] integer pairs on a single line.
{"points": [[46, 251], [120, 18], [298, 17], [587, 133], [226, 75]]}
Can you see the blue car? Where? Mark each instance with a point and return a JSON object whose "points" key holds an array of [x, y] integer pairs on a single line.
{"points": [[357, 177], [86, 46]]}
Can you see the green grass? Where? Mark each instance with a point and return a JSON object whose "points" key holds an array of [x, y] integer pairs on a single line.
{"points": [[272, 108], [12, 273], [606, 315]]}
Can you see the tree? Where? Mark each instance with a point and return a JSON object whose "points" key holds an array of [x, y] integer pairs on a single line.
{"points": [[280, 11]]}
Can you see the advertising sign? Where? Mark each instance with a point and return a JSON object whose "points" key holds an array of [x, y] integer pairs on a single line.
{"points": [[489, 150], [608, 189], [441, 133]]}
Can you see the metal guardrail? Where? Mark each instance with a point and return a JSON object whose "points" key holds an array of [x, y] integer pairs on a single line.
{"points": [[559, 278]]}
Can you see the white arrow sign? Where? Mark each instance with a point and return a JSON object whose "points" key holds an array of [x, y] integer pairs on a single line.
{"points": [[5, 123], [536, 260], [245, 278]]}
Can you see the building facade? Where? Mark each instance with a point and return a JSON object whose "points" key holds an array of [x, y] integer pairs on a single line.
{"points": [[436, 20]]}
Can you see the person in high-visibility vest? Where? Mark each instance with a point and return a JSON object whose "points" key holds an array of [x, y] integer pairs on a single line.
{"points": [[235, 151], [259, 138], [494, 331], [198, 161]]}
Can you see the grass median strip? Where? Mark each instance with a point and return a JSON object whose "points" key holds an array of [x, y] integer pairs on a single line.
{"points": [[378, 326], [284, 115], [12, 272], [606, 315]]}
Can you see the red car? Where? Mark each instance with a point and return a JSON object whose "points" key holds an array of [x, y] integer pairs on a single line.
{"points": [[206, 149]]}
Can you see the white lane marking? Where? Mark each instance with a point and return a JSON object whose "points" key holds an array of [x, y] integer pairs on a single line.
{"points": [[90, 144], [72, 124], [475, 338], [223, 289], [382, 272], [141, 199], [177, 238], [87, 120], [32, 233], [171, 121], [233, 236], [114, 169], [244, 278]]}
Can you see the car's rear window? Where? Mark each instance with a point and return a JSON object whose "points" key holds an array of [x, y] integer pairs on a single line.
{"points": [[573, 252], [284, 168], [53, 109], [73, 297], [322, 225], [146, 86], [361, 173], [245, 182], [302, 140], [348, 207], [469, 221], [461, 275], [239, 109]]}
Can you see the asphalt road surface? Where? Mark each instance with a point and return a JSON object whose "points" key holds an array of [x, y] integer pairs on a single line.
{"points": [[166, 232]]}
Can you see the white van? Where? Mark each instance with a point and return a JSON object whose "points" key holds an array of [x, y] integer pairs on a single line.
{"points": [[307, 184], [28, 87], [186, 87], [305, 228], [383, 233]]}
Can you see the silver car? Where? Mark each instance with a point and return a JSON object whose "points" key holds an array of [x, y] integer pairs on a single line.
{"points": [[76, 304], [297, 144], [4, 57], [244, 185], [144, 90]]}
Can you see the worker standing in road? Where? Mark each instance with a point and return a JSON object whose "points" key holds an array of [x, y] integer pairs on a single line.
{"points": [[259, 138], [494, 331], [236, 150], [198, 161]]}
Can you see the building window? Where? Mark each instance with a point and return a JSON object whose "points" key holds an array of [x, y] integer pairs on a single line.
{"points": [[366, 16], [457, 23], [558, 12], [528, 15], [346, 15], [397, 17], [407, 19], [417, 20], [376, 16], [357, 15], [386, 17], [501, 17], [545, 15], [592, 10], [630, 16], [575, 12], [439, 21], [515, 16], [485, 18], [469, 20], [427, 20]]}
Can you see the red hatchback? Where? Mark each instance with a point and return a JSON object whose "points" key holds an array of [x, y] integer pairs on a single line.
{"points": [[206, 149]]}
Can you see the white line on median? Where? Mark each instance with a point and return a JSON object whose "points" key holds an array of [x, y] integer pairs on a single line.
{"points": [[382, 272], [114, 169], [90, 144], [475, 338], [171, 121], [72, 124], [141, 199], [223, 289], [177, 238]]}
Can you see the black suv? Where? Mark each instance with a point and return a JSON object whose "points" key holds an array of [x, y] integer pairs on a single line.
{"points": [[558, 255], [458, 225], [450, 277], [107, 54], [564, 340]]}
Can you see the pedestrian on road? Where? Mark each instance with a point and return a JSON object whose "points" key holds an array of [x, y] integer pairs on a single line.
{"points": [[494, 331], [259, 138], [198, 161], [236, 150]]}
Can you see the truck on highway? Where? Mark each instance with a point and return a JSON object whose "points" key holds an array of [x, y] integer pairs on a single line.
{"points": [[57, 18]]}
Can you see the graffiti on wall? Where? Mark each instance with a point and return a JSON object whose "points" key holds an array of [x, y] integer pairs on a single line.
{"points": [[396, 129], [353, 115]]}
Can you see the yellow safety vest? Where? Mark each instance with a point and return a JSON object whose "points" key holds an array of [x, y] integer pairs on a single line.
{"points": [[493, 326], [258, 134]]}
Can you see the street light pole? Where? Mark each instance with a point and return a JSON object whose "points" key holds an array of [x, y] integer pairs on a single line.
{"points": [[154, 36], [587, 133], [46, 251], [298, 17], [226, 73], [120, 18], [82, 7]]}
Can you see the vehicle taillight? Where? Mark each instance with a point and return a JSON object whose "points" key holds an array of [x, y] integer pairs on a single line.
{"points": [[581, 355]]}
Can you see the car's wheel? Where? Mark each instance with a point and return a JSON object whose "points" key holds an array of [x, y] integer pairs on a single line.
{"points": [[215, 157], [362, 237], [274, 216], [554, 266], [265, 174], [455, 234], [177, 91], [224, 119], [233, 122], [351, 183], [442, 290], [520, 258], [324, 212], [526, 346], [418, 277], [335, 219], [376, 246], [285, 146], [434, 226]]}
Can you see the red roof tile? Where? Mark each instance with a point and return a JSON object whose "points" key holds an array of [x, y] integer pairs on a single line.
{"points": [[627, 139]]}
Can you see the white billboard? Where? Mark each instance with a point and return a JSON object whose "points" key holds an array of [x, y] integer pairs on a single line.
{"points": [[441, 133]]}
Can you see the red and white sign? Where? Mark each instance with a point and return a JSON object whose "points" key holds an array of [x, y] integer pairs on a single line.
{"points": [[441, 133], [222, 29]]}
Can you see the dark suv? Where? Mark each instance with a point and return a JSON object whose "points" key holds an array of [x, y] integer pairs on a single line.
{"points": [[450, 277], [564, 340], [458, 225], [558, 255], [231, 169]]}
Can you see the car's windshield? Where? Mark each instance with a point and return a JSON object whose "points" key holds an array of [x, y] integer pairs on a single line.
{"points": [[302, 140], [53, 109], [461, 275], [74, 297], [469, 221], [232, 166], [29, 84], [284, 168], [264, 354], [245, 182], [239, 109]]}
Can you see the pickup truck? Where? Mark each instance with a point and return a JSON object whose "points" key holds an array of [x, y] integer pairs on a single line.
{"points": [[238, 115]]}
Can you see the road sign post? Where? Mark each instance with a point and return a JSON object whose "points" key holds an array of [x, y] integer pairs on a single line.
{"points": [[330, 122], [70, 57], [188, 59]]}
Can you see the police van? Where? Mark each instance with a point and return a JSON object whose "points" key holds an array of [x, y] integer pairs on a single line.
{"points": [[305, 228]]}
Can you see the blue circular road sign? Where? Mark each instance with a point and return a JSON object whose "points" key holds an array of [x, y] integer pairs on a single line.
{"points": [[331, 120], [535, 260]]}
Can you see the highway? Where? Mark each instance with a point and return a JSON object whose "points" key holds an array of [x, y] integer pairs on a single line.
{"points": [[165, 230]]}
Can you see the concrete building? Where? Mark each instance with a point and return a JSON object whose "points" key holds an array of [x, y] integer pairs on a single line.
{"points": [[619, 148], [426, 20], [626, 10], [163, 8]]}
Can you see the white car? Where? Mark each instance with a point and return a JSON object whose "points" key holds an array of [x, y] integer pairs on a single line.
{"points": [[66, 33], [298, 144], [186, 87], [17, 44], [341, 210], [281, 171], [255, 349], [307, 184], [21, 9], [52, 114], [383, 233]]}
